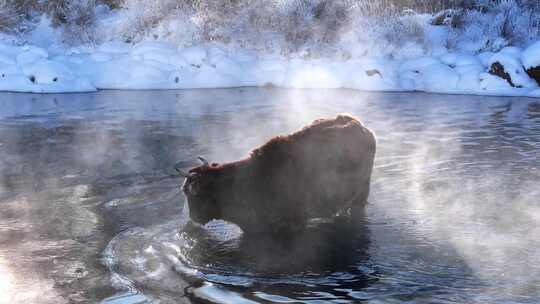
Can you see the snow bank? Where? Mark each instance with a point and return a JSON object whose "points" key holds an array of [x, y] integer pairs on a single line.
{"points": [[509, 59], [158, 65], [30, 69], [531, 56]]}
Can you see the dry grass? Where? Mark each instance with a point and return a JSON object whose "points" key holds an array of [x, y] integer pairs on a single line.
{"points": [[9, 18], [14, 14]]}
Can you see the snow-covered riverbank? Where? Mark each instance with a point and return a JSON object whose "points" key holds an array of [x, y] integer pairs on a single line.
{"points": [[158, 65]]}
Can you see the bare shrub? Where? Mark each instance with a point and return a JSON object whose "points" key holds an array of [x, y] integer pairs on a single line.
{"points": [[137, 19], [493, 25], [15, 14], [113, 4], [420, 6], [293, 24], [315, 23], [75, 17], [10, 17], [314, 27]]}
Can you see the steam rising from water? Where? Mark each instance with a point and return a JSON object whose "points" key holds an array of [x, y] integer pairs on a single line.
{"points": [[6, 283], [460, 181], [455, 179], [466, 187]]}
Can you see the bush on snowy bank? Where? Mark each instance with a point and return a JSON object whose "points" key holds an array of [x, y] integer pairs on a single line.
{"points": [[13, 18], [315, 27], [520, 68], [531, 61], [495, 25], [507, 64]]}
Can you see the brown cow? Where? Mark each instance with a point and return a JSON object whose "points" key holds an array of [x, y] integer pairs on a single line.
{"points": [[318, 172]]}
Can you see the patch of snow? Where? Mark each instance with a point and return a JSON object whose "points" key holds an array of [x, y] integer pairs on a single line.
{"points": [[409, 50], [148, 47], [469, 77], [371, 74], [534, 93], [492, 82], [9, 52], [437, 37], [39, 74], [471, 46], [485, 57], [30, 55], [8, 69], [114, 47], [165, 57], [531, 56], [411, 72], [304, 75], [512, 51], [15, 82], [47, 72], [418, 64], [459, 59], [440, 78], [194, 55], [44, 34], [509, 59], [101, 57], [6, 59]]}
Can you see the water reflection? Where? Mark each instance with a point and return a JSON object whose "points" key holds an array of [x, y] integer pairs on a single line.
{"points": [[325, 256], [322, 249]]}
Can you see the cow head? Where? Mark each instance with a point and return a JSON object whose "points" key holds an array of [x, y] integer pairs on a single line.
{"points": [[201, 188]]}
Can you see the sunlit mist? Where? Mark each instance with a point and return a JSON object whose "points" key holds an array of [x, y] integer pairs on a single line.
{"points": [[7, 284]]}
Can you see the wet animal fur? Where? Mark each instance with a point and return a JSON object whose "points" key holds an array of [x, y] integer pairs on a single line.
{"points": [[320, 171]]}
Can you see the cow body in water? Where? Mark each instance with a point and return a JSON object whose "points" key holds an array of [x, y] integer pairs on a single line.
{"points": [[318, 172]]}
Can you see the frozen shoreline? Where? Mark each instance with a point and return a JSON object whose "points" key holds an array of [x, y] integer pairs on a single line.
{"points": [[157, 65]]}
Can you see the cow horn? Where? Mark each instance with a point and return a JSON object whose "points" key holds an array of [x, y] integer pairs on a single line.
{"points": [[203, 161], [182, 173]]}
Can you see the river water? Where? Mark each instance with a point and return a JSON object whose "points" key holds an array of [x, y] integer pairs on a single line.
{"points": [[91, 210]]}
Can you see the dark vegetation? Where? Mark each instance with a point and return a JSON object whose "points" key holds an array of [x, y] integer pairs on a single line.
{"points": [[497, 69]]}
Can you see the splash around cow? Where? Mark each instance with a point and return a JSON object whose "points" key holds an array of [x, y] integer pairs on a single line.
{"points": [[321, 171]]}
